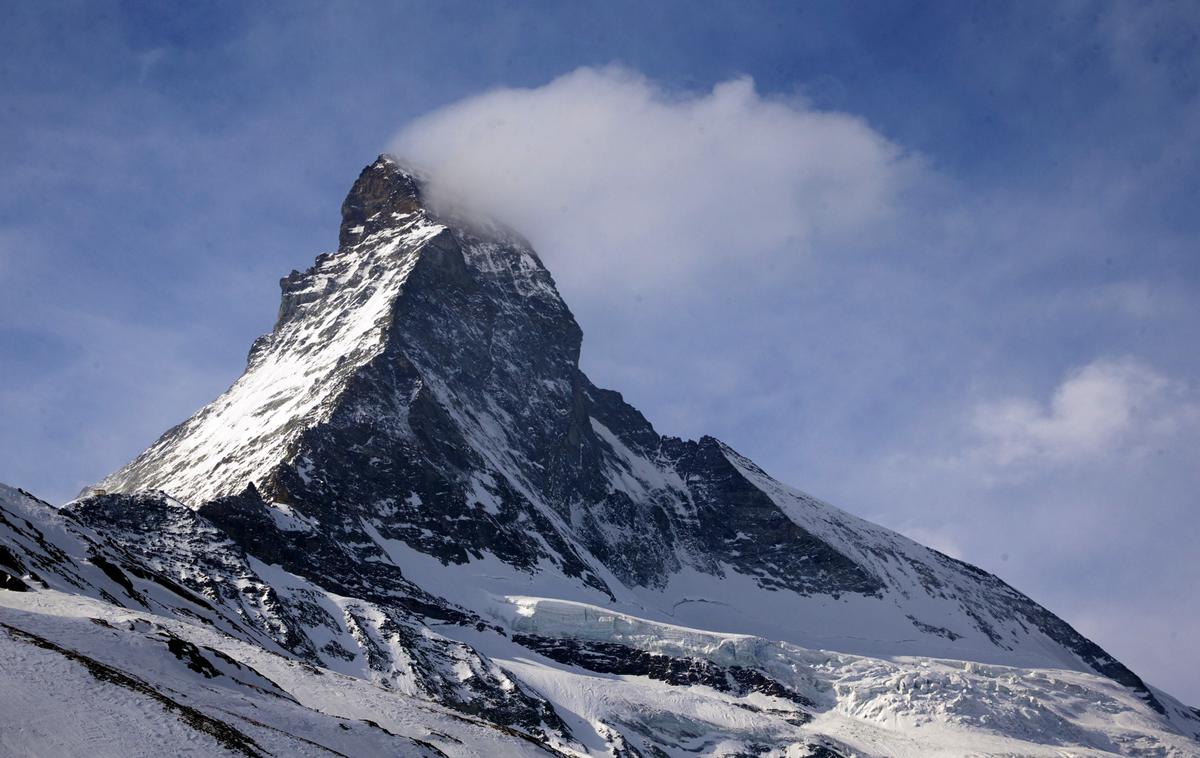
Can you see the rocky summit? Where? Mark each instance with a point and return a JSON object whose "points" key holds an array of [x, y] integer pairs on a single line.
{"points": [[414, 526]]}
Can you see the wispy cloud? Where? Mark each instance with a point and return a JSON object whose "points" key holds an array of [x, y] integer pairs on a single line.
{"points": [[1109, 406]]}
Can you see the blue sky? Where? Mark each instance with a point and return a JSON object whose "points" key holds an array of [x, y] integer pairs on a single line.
{"points": [[935, 263]]}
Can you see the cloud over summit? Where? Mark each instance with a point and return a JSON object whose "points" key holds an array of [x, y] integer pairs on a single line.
{"points": [[614, 177]]}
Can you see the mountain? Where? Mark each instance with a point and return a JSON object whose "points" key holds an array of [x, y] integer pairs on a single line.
{"points": [[416, 509]]}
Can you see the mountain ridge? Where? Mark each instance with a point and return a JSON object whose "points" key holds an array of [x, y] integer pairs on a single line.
{"points": [[386, 202], [413, 471]]}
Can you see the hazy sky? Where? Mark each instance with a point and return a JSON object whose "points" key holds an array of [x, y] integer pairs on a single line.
{"points": [[937, 264]]}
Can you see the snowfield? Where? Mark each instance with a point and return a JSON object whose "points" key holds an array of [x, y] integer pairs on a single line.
{"points": [[64, 700], [902, 706], [85, 677]]}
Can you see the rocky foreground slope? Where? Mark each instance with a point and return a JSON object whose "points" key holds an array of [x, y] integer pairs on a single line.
{"points": [[414, 525]]}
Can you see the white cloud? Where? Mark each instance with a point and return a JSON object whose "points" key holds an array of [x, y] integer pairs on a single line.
{"points": [[615, 179], [1105, 407]]}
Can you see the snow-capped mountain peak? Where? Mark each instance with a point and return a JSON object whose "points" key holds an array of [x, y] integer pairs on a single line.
{"points": [[413, 483]]}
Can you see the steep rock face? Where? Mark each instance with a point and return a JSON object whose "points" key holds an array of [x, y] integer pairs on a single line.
{"points": [[425, 380], [420, 398]]}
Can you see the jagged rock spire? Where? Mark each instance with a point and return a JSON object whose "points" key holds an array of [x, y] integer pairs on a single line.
{"points": [[383, 188], [422, 389]]}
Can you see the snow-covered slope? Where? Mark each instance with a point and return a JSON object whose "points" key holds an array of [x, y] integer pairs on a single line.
{"points": [[897, 707], [84, 676], [333, 320], [150, 554], [413, 446]]}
